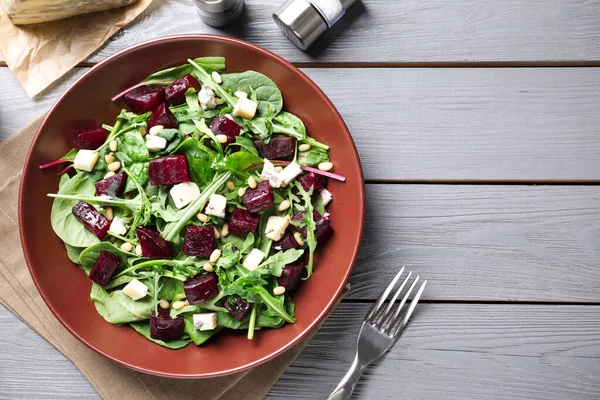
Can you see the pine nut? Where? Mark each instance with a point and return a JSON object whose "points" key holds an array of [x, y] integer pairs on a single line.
{"points": [[208, 268], [217, 234], [230, 186], [155, 130], [143, 131], [241, 192], [225, 230], [218, 101], [202, 217], [241, 95], [229, 116], [138, 250], [216, 254], [114, 145], [108, 213], [278, 169], [126, 246], [304, 147], [251, 182], [284, 205], [186, 302], [222, 139], [298, 238], [164, 304], [178, 304], [109, 174], [216, 77], [279, 290], [325, 166], [109, 158], [114, 166]]}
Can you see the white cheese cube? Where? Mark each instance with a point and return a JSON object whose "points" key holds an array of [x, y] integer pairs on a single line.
{"points": [[326, 196], [290, 172], [245, 108], [156, 129], [206, 98], [253, 259], [184, 193], [135, 289], [276, 227], [155, 143], [268, 173], [205, 321], [118, 226], [85, 160], [217, 205]]}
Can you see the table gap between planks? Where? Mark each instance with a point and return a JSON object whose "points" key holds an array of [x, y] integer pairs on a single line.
{"points": [[477, 124]]}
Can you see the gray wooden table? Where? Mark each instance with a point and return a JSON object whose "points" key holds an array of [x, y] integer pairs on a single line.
{"points": [[478, 125]]}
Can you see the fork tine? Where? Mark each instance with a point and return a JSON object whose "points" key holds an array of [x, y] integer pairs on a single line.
{"points": [[385, 314], [383, 296], [391, 319], [400, 325]]}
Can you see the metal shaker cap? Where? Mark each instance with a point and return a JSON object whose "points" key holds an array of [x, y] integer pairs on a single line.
{"points": [[219, 13]]}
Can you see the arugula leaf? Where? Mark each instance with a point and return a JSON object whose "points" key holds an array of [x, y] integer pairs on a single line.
{"points": [[268, 95], [246, 144], [118, 308], [311, 226], [261, 127], [143, 328], [171, 74], [275, 304], [275, 263], [229, 257], [174, 137]]}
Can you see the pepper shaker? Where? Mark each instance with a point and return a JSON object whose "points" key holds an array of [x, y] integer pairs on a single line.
{"points": [[218, 13], [303, 21]]}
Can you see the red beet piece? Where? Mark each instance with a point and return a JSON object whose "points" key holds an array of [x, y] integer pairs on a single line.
{"points": [[225, 126], [278, 148], [153, 245], [175, 93], [201, 288], [323, 228], [260, 198], [168, 170], [291, 275], [311, 179], [237, 307], [198, 241], [161, 115], [104, 268], [111, 186], [145, 98], [89, 138], [91, 219], [287, 242], [163, 327], [243, 222]]}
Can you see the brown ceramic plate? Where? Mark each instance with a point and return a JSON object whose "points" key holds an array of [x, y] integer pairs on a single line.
{"points": [[66, 289]]}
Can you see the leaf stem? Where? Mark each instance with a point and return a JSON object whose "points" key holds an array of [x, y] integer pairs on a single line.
{"points": [[252, 322]]}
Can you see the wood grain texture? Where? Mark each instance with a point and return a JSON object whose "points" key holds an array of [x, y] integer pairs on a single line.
{"points": [[483, 124]]}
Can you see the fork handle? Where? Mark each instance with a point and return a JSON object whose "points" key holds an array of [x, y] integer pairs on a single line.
{"points": [[346, 387]]}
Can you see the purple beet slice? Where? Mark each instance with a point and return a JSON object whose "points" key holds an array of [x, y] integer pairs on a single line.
{"points": [[260, 198], [163, 327], [153, 245], [291, 275], [175, 93], [312, 180], [89, 138], [225, 126], [237, 307], [111, 186], [105, 267], [145, 98], [201, 288], [243, 222], [161, 115], [287, 242], [168, 170], [277, 148], [323, 228], [91, 219], [198, 241]]}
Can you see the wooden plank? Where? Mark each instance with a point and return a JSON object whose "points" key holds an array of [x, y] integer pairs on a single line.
{"points": [[484, 124], [404, 32]]}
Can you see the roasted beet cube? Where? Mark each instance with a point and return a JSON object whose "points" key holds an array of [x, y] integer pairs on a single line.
{"points": [[153, 245], [201, 288], [105, 268], [163, 327], [111, 186], [243, 222], [175, 93], [277, 148], [237, 307], [198, 241], [168, 170], [89, 138], [291, 275], [225, 126], [161, 115], [312, 180], [91, 219], [145, 98], [260, 198], [287, 242], [323, 228]]}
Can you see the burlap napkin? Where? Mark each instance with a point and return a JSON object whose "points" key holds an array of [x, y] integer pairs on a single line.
{"points": [[19, 295]]}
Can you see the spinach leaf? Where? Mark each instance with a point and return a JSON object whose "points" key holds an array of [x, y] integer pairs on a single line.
{"points": [[143, 328], [268, 95], [242, 163], [243, 244], [199, 161], [89, 256], [134, 154], [174, 137], [225, 320], [171, 74], [198, 337], [275, 263], [261, 127], [118, 308], [246, 144], [313, 157], [290, 125], [73, 253]]}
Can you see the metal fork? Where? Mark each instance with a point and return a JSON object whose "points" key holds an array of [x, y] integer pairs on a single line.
{"points": [[379, 332]]}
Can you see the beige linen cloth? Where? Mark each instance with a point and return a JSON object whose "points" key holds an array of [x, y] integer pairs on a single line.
{"points": [[19, 295]]}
